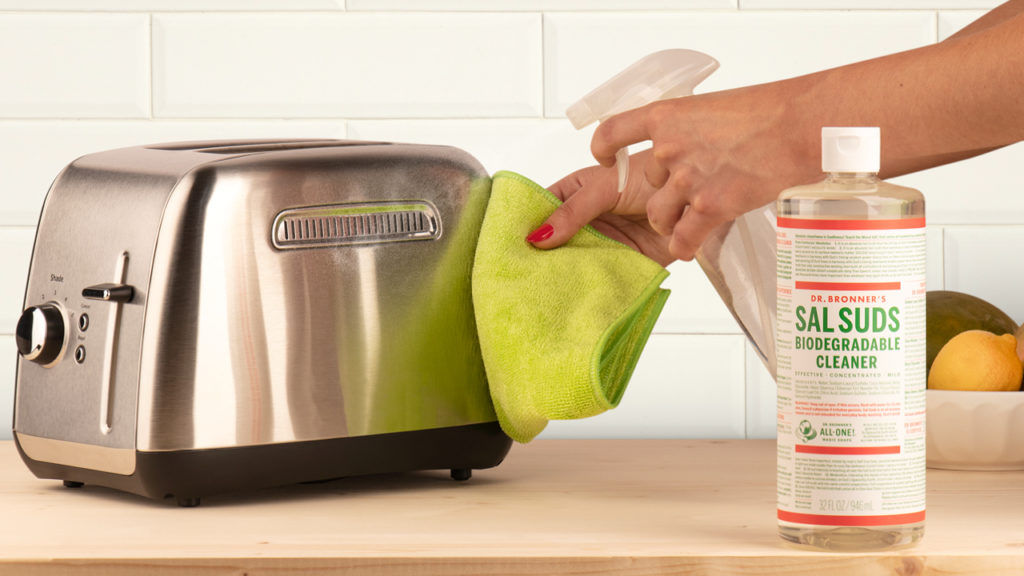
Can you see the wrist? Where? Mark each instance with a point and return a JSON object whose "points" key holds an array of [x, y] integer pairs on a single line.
{"points": [[797, 121]]}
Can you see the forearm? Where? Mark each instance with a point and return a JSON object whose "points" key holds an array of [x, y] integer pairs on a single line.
{"points": [[935, 104], [717, 155]]}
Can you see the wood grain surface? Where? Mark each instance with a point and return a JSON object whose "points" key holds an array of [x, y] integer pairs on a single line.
{"points": [[632, 507]]}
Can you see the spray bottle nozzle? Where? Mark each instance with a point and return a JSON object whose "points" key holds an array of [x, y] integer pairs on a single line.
{"points": [[665, 74]]}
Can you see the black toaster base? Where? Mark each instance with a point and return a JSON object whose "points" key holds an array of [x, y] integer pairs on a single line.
{"points": [[188, 475]]}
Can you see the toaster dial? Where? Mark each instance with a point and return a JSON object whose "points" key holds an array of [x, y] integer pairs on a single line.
{"points": [[41, 334]]}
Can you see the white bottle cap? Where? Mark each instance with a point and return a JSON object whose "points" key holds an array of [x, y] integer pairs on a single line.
{"points": [[851, 149]]}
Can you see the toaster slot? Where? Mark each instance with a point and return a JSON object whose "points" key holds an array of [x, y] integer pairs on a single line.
{"points": [[210, 145], [115, 294], [283, 146], [233, 147], [346, 224]]}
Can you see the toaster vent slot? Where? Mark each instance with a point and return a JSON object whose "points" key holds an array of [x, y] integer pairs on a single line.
{"points": [[355, 224]]}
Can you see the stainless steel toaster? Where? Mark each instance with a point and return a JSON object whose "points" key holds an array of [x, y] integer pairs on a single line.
{"points": [[203, 317]]}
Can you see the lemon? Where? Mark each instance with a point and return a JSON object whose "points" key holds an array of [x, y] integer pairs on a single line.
{"points": [[1020, 342], [977, 360]]}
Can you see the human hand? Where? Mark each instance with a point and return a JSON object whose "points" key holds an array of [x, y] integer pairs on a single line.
{"points": [[590, 196], [714, 157]]}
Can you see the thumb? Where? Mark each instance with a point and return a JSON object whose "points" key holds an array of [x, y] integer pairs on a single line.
{"points": [[578, 210]]}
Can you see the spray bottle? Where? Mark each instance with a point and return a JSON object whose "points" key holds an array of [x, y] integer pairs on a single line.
{"points": [[740, 260], [739, 257], [658, 76]]}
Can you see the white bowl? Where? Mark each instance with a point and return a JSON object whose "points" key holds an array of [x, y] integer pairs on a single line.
{"points": [[975, 430]]}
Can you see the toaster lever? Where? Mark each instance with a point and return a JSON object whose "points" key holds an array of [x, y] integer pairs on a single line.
{"points": [[109, 292], [117, 293]]}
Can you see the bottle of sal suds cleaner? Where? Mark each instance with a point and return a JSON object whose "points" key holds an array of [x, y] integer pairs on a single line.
{"points": [[851, 354]]}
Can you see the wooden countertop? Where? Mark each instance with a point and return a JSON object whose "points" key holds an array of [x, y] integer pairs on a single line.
{"points": [[636, 507]]}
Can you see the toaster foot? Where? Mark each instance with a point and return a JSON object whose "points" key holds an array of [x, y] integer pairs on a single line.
{"points": [[462, 474], [73, 484], [188, 502]]}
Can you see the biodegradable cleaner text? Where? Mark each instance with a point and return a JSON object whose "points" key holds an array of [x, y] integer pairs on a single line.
{"points": [[862, 323]]}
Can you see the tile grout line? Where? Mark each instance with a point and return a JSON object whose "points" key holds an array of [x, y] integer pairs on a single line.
{"points": [[942, 257], [152, 65], [746, 388], [543, 66]]}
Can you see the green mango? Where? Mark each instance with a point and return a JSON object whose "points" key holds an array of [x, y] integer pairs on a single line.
{"points": [[950, 313]]}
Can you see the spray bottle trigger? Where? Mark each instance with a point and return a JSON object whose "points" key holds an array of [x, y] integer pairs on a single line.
{"points": [[622, 164], [665, 74]]}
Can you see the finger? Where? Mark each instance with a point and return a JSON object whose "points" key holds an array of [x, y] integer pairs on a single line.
{"points": [[578, 210], [666, 207], [569, 185], [690, 232], [655, 172], [635, 234], [662, 156], [618, 132]]}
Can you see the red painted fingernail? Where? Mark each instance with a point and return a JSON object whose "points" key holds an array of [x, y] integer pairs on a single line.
{"points": [[542, 233]]}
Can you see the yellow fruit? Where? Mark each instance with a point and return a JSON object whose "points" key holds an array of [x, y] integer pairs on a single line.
{"points": [[977, 360], [1020, 342]]}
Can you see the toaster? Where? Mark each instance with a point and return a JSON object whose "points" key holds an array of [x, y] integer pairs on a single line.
{"points": [[206, 317]]}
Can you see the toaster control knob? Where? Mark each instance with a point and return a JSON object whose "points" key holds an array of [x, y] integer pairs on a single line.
{"points": [[40, 334]]}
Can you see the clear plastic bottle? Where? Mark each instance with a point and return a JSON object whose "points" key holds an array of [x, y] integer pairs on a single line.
{"points": [[851, 354]]}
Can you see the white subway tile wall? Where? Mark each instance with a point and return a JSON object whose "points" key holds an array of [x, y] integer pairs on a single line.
{"points": [[492, 77], [951, 22], [347, 65], [171, 5], [74, 65], [541, 148], [7, 362], [760, 407], [867, 4], [539, 5], [753, 47], [16, 243], [676, 392], [985, 261]]}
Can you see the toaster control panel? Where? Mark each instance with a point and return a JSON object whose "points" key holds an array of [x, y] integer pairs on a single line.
{"points": [[42, 333]]}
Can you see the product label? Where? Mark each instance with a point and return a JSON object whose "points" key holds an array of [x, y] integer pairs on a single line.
{"points": [[851, 371]]}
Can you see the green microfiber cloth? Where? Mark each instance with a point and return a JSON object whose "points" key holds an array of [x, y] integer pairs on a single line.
{"points": [[560, 330]]}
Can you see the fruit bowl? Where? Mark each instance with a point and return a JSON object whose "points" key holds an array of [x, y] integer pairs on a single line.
{"points": [[975, 430]]}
